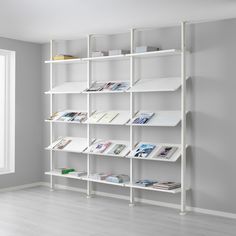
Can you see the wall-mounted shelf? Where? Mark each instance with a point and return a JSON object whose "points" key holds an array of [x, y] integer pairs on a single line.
{"points": [[161, 118], [68, 88]]}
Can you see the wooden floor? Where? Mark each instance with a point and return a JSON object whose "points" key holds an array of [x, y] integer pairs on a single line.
{"points": [[39, 212]]}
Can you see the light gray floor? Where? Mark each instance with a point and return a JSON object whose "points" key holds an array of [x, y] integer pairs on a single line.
{"points": [[39, 212]]}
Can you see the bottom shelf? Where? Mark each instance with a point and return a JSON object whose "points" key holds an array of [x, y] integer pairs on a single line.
{"points": [[127, 185]]}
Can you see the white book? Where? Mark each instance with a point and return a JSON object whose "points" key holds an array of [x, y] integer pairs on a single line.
{"points": [[108, 117]]}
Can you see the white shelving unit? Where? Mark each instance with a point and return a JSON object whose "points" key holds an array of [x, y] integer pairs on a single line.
{"points": [[125, 118]]}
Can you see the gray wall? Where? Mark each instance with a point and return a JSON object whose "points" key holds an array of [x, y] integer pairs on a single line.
{"points": [[211, 124], [28, 138]]}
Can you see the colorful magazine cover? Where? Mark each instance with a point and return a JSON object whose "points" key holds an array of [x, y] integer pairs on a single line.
{"points": [[68, 116], [80, 117], [109, 86], [143, 118], [117, 149], [145, 182], [166, 152], [120, 86], [99, 146], [143, 150]]}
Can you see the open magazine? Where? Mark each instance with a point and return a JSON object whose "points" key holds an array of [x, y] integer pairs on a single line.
{"points": [[142, 150]]}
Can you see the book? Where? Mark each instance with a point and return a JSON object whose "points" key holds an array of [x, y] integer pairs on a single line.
{"points": [[166, 152], [117, 178], [117, 149], [143, 150], [120, 86], [118, 52], [68, 116], [63, 170], [63, 57], [145, 182], [143, 118], [166, 185], [99, 146], [108, 117], [96, 86], [141, 49], [97, 116], [99, 54], [78, 173], [99, 176], [62, 143], [80, 117]]}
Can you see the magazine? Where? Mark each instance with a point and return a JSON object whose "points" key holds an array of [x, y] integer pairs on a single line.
{"points": [[56, 115], [145, 182], [62, 143], [117, 149], [167, 185], [118, 178], [99, 146], [143, 118], [78, 173], [96, 86], [121, 86], [109, 86], [143, 150], [68, 116], [108, 117], [166, 152], [99, 176], [80, 117], [96, 117]]}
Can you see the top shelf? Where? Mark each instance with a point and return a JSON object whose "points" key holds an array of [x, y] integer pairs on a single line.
{"points": [[169, 52]]}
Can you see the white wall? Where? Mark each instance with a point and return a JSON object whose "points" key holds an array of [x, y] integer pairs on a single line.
{"points": [[211, 124], [28, 139]]}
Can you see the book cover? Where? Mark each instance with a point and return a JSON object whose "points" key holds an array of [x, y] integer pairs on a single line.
{"points": [[96, 117], [62, 143], [117, 149], [143, 118], [145, 182], [68, 116], [166, 152], [99, 146], [143, 150], [96, 86], [108, 117], [121, 86], [80, 117]]}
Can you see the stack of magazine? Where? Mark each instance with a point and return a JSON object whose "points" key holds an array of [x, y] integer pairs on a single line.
{"points": [[143, 118], [166, 185], [69, 116], [108, 86]]}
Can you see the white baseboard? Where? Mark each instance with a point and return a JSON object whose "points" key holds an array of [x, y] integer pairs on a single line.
{"points": [[140, 200]]}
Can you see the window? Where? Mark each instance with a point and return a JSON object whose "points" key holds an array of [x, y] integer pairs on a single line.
{"points": [[7, 111]]}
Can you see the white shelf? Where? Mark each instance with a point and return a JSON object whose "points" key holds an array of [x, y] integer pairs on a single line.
{"points": [[152, 155], [52, 173], [160, 118], [156, 85], [67, 61], [106, 58], [168, 52], [121, 119], [68, 88], [77, 145], [177, 190], [105, 153], [66, 122]]}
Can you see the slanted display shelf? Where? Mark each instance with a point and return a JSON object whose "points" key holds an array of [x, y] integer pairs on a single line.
{"points": [[68, 88]]}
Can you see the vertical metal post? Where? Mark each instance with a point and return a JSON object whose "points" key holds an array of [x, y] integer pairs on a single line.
{"points": [[51, 111], [89, 184], [183, 120], [131, 141]]}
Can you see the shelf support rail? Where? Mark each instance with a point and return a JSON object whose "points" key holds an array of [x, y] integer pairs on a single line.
{"points": [[183, 119], [131, 113], [89, 183], [51, 112]]}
